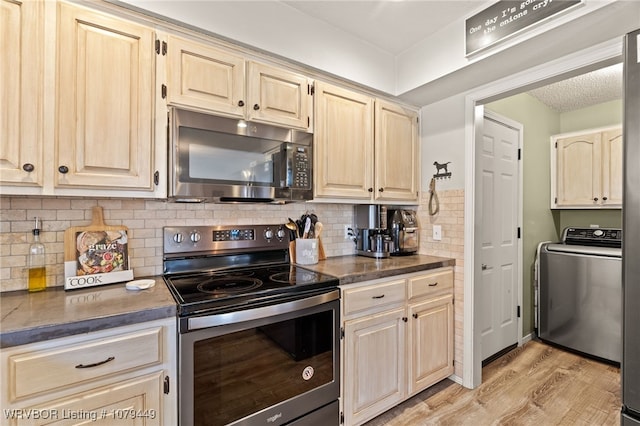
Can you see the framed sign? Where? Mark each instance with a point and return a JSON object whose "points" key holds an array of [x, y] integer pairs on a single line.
{"points": [[506, 18]]}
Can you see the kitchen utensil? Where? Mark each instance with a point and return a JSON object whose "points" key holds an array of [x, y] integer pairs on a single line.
{"points": [[291, 225], [318, 229], [307, 227]]}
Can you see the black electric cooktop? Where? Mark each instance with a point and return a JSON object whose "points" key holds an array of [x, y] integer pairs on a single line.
{"points": [[242, 288]]}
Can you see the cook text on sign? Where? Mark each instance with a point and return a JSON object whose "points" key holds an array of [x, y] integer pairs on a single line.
{"points": [[507, 17]]}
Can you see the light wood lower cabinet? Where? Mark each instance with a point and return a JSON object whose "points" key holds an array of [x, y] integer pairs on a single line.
{"points": [[124, 376], [398, 340]]}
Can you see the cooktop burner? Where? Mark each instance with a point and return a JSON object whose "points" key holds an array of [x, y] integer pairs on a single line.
{"points": [[221, 286]]}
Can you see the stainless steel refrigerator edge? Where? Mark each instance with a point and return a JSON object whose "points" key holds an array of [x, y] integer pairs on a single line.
{"points": [[631, 234]]}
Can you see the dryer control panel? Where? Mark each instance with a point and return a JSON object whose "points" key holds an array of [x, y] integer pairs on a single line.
{"points": [[599, 237]]}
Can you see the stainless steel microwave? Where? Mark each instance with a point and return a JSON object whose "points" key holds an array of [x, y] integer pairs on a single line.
{"points": [[221, 159]]}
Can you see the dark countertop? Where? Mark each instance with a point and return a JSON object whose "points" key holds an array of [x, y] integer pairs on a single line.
{"points": [[53, 313], [352, 269]]}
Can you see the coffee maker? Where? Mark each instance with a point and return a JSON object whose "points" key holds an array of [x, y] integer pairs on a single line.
{"points": [[372, 239], [404, 231]]}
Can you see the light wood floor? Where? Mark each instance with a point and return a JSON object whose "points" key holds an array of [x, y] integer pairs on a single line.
{"points": [[535, 384]]}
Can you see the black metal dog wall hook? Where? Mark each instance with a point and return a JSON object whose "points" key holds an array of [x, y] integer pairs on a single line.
{"points": [[442, 166]]}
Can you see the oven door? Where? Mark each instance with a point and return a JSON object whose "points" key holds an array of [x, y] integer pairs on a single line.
{"points": [[269, 365]]}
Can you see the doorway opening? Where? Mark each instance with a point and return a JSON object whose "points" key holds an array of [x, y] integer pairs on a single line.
{"points": [[475, 103]]}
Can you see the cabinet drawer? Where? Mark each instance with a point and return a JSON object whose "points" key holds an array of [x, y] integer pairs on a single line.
{"points": [[64, 365], [374, 296], [424, 285]]}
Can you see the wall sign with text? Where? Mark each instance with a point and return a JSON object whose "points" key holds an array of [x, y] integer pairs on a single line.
{"points": [[508, 17]]}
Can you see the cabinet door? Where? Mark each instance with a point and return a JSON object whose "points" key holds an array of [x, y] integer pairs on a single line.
{"points": [[132, 402], [105, 101], [374, 363], [578, 170], [204, 77], [279, 97], [343, 158], [430, 342], [397, 156], [612, 167], [21, 92]]}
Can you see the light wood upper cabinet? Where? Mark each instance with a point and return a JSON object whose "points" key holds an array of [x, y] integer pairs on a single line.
{"points": [[205, 77], [612, 167], [105, 99], [366, 149], [21, 88], [343, 157], [279, 97], [202, 76], [586, 169], [397, 157]]}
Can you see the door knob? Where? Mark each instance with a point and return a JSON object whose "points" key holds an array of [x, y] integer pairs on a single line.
{"points": [[484, 267]]}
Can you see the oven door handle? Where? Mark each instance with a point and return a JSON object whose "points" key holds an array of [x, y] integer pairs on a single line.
{"points": [[215, 320]]}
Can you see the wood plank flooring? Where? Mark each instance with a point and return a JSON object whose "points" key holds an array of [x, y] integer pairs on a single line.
{"points": [[535, 384]]}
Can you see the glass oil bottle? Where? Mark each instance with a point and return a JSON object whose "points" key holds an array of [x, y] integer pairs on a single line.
{"points": [[37, 268]]}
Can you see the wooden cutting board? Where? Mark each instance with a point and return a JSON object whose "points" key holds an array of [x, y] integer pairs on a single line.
{"points": [[98, 247]]}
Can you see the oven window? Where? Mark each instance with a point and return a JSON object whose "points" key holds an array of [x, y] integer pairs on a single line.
{"points": [[241, 373]]}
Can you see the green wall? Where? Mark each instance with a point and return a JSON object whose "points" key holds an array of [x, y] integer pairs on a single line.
{"points": [[540, 223], [539, 123]]}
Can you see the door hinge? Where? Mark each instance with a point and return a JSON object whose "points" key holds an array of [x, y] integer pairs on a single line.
{"points": [[556, 145], [519, 232], [166, 385], [161, 47], [341, 417], [311, 89], [164, 91], [164, 48], [342, 332], [156, 178], [157, 46], [518, 313], [519, 153], [308, 121], [555, 200]]}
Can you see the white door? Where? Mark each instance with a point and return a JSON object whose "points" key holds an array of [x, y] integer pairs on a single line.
{"points": [[499, 236]]}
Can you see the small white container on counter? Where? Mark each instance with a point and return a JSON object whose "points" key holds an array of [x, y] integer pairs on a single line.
{"points": [[307, 251]]}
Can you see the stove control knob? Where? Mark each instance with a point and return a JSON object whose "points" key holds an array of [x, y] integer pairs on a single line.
{"points": [[598, 233], [268, 234], [195, 236], [178, 238], [280, 234]]}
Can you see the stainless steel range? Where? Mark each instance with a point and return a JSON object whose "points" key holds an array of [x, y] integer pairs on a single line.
{"points": [[258, 338]]}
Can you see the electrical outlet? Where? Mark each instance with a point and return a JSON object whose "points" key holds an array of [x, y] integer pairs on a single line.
{"points": [[437, 232], [347, 233]]}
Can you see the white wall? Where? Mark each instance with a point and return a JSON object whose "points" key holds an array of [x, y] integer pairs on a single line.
{"points": [[284, 31]]}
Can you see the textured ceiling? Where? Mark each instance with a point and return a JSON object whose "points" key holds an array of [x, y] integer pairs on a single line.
{"points": [[582, 91]]}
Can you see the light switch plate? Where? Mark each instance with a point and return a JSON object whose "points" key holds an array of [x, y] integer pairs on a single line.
{"points": [[437, 232]]}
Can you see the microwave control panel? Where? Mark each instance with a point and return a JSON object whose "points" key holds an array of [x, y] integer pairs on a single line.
{"points": [[299, 164]]}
